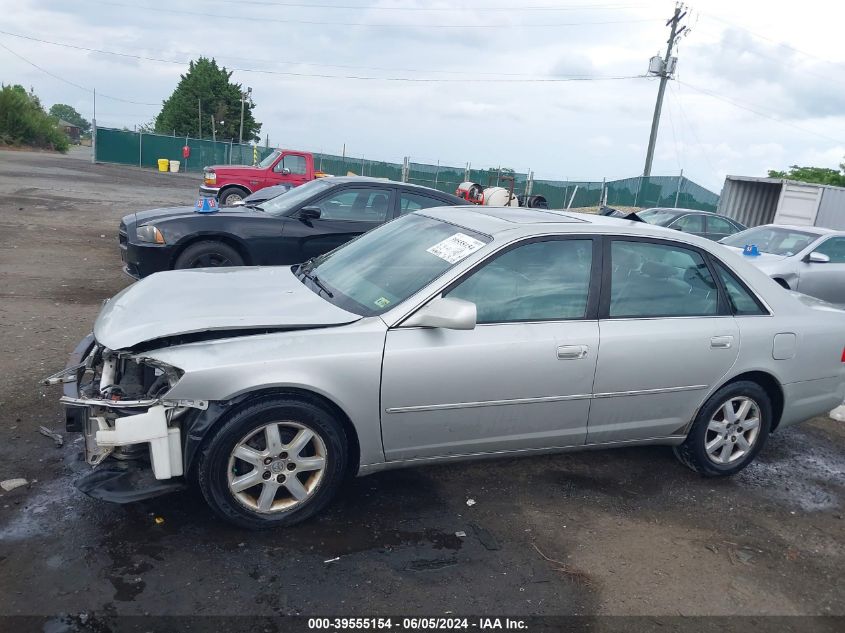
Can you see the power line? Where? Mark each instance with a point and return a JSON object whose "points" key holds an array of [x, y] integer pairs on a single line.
{"points": [[462, 73], [325, 76], [758, 111], [693, 128], [390, 25], [75, 85]]}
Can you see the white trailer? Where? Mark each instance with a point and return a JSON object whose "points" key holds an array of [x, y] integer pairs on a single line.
{"points": [[754, 201]]}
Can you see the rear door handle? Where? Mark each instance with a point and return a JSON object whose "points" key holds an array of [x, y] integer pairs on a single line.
{"points": [[572, 352], [721, 342]]}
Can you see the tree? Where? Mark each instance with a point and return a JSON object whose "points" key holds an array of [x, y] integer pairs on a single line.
{"points": [[23, 121], [818, 175], [69, 114], [206, 89]]}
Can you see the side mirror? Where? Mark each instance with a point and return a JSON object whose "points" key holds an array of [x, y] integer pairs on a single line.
{"points": [[818, 258], [285, 171], [309, 213], [443, 312]]}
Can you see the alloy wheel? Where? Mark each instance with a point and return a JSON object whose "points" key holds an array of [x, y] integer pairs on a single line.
{"points": [[732, 431], [276, 467]]}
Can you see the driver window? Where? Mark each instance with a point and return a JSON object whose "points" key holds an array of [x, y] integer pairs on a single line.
{"points": [[833, 248], [357, 205], [540, 281], [294, 162]]}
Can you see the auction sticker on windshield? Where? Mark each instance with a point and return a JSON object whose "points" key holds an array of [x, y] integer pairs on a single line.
{"points": [[454, 248]]}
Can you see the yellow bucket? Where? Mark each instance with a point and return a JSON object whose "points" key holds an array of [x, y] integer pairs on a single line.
{"points": [[163, 164]]}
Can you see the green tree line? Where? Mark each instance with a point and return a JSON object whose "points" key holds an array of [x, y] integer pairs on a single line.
{"points": [[23, 121]]}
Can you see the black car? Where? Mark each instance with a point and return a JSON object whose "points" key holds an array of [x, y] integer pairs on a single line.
{"points": [[703, 223], [307, 221]]}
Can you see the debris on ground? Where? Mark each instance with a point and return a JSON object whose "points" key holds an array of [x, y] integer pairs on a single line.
{"points": [[575, 574], [485, 537], [461, 534], [470, 502], [11, 484], [56, 437], [332, 560], [159, 520]]}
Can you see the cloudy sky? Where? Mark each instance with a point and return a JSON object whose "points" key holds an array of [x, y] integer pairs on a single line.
{"points": [[760, 84]]}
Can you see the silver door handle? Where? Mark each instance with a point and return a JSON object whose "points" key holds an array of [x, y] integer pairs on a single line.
{"points": [[572, 352], [721, 342]]}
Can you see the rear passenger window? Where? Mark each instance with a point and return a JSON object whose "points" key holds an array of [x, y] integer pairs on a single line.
{"points": [[689, 224], [655, 280], [742, 302], [409, 202]]}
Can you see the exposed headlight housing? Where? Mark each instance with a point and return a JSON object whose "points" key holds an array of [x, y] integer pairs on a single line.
{"points": [[149, 233], [210, 177]]}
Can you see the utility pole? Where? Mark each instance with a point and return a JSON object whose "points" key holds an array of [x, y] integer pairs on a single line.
{"points": [[213, 130], [244, 96], [664, 69], [94, 130], [199, 117]]}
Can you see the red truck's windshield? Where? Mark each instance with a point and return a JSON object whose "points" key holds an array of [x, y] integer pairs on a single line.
{"points": [[270, 159]]}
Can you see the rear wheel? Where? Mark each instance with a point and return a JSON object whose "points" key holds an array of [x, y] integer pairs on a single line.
{"points": [[729, 430], [275, 463], [232, 195], [208, 254]]}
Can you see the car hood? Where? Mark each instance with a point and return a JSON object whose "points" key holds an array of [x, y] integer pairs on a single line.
{"points": [[170, 213], [181, 302], [235, 169]]}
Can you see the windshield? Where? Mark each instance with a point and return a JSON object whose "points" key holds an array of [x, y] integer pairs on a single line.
{"points": [[776, 240], [384, 267], [660, 217], [270, 159], [296, 196]]}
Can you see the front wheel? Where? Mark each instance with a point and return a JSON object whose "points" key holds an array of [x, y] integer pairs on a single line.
{"points": [[208, 254], [729, 430], [275, 463], [232, 195]]}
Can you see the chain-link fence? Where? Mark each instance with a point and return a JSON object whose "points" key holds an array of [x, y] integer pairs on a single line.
{"points": [[135, 148]]}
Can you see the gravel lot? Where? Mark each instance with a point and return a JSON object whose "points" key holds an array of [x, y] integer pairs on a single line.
{"points": [[627, 531]]}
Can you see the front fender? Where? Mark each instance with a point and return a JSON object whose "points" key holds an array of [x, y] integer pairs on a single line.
{"points": [[342, 364]]}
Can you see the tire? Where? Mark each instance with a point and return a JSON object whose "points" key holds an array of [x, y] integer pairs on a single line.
{"points": [[707, 430], [208, 254], [226, 480], [231, 195]]}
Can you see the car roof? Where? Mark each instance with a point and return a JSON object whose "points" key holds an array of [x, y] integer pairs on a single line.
{"points": [[371, 180], [818, 230]]}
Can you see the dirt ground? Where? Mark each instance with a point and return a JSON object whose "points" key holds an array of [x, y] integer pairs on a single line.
{"points": [[622, 532]]}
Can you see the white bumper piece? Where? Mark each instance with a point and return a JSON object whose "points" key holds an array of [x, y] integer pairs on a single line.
{"points": [[151, 428]]}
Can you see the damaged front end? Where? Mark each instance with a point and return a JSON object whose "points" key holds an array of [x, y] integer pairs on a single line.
{"points": [[117, 400]]}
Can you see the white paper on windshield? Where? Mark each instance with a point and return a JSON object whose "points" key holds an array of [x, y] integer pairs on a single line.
{"points": [[453, 249]]}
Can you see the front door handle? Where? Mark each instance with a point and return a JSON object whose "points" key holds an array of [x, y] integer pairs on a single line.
{"points": [[572, 352], [721, 342]]}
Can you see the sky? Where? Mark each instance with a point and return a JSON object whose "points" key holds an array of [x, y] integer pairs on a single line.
{"points": [[557, 87]]}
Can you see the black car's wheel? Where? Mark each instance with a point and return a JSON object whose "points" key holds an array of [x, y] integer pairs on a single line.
{"points": [[232, 195], [729, 430], [274, 463], [208, 254]]}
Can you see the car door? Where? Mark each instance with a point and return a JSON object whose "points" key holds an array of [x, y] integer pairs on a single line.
{"points": [[718, 228], [521, 379], [667, 336], [825, 280], [292, 169], [690, 223], [344, 214]]}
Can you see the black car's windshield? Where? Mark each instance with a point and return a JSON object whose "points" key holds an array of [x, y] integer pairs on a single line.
{"points": [[384, 267], [269, 160], [659, 217], [776, 240], [296, 196]]}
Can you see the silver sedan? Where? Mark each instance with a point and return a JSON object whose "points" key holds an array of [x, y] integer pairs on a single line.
{"points": [[807, 259], [447, 334]]}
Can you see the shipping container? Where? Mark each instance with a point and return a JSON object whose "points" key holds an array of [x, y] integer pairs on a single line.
{"points": [[756, 201]]}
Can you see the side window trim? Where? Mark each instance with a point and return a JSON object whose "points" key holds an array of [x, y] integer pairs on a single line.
{"points": [[713, 260], [595, 282], [723, 304]]}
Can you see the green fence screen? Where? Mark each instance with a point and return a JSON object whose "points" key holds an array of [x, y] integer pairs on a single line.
{"points": [[144, 150]]}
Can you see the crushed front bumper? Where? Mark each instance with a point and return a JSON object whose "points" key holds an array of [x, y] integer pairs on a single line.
{"points": [[141, 438]]}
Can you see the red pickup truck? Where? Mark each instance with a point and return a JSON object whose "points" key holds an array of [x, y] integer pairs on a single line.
{"points": [[230, 183]]}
